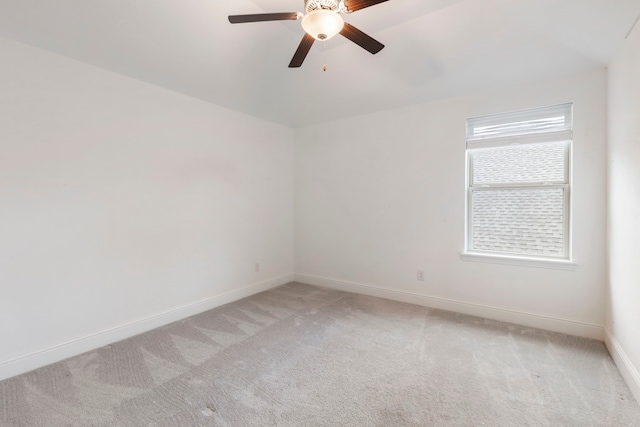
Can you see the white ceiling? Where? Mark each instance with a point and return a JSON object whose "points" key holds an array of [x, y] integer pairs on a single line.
{"points": [[434, 48]]}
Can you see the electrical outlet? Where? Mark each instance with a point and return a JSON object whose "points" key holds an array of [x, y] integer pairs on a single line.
{"points": [[256, 268], [421, 275]]}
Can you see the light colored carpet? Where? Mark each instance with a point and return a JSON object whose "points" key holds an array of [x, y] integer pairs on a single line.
{"points": [[301, 355]]}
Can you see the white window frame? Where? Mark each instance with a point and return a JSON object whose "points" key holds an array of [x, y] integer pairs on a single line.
{"points": [[486, 138]]}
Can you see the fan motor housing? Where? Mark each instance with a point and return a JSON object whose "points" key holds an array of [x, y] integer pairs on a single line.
{"points": [[311, 5]]}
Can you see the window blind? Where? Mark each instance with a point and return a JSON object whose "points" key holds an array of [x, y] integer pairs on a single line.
{"points": [[545, 124]]}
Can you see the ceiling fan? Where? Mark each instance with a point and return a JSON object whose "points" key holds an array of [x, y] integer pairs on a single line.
{"points": [[321, 21]]}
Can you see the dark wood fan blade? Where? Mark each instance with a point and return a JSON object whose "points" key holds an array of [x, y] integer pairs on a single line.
{"points": [[353, 5], [301, 52], [260, 17], [361, 39]]}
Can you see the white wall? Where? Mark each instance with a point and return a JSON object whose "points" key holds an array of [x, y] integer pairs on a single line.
{"points": [[381, 195], [121, 201], [124, 206], [623, 314]]}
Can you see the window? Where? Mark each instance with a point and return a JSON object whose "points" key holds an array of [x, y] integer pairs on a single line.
{"points": [[518, 184]]}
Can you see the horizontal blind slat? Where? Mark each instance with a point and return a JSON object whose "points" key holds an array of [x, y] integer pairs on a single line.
{"points": [[535, 138]]}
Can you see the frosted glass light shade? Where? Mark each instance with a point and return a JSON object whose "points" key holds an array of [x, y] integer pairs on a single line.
{"points": [[322, 24]]}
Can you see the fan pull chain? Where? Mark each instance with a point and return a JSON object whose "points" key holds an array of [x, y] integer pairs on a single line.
{"points": [[324, 66]]}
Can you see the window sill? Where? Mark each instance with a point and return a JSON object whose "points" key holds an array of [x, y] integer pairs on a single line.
{"points": [[560, 264]]}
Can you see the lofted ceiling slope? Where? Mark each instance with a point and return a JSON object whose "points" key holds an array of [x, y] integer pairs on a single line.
{"points": [[434, 49]]}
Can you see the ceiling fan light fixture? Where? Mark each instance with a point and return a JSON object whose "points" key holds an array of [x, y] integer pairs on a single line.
{"points": [[322, 24]]}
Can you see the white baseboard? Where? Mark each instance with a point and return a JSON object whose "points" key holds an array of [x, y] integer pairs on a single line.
{"points": [[534, 320], [627, 369], [37, 359]]}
